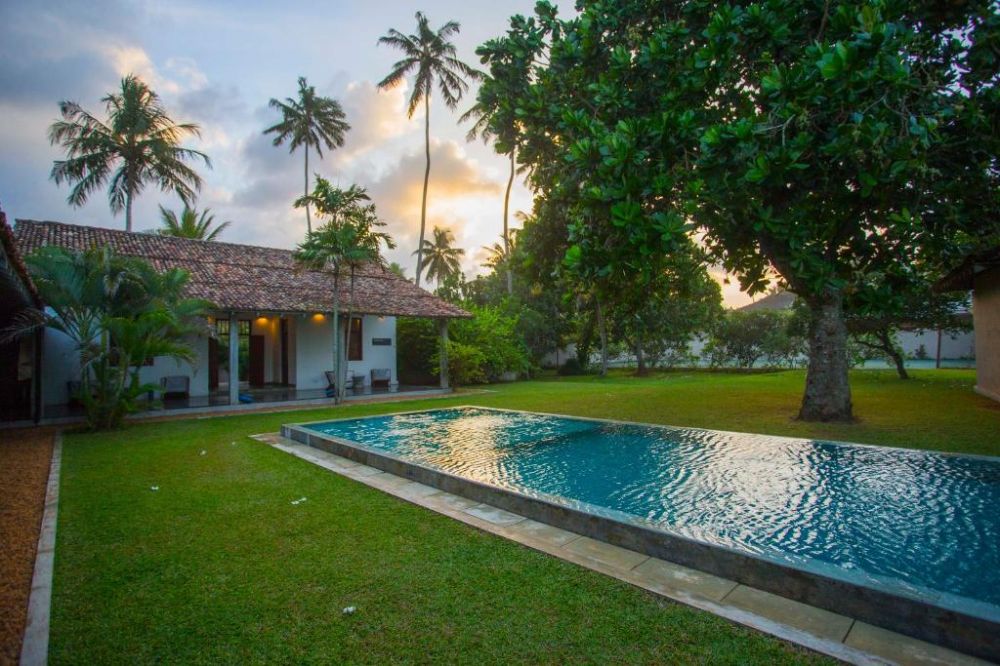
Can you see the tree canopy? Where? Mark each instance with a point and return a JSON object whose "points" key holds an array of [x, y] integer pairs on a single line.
{"points": [[820, 141]]}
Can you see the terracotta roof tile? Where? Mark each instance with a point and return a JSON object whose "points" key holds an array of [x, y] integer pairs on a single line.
{"points": [[246, 277]]}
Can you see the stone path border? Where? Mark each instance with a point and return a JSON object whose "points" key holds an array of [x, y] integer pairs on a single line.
{"points": [[35, 646], [820, 630]]}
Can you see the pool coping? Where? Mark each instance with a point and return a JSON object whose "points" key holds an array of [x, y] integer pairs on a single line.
{"points": [[964, 632]]}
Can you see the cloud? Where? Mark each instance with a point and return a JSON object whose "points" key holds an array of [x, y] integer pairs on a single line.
{"points": [[375, 117]]}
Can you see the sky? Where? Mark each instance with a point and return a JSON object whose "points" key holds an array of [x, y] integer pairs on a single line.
{"points": [[218, 64]]}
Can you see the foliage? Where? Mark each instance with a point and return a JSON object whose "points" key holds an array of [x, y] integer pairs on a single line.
{"points": [[428, 54], [441, 259], [821, 142], [466, 364], [492, 333], [190, 224], [138, 145], [572, 367], [418, 340], [311, 121], [741, 338], [348, 240], [118, 311]]}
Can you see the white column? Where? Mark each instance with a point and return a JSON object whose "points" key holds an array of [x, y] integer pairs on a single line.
{"points": [[443, 356], [234, 360]]}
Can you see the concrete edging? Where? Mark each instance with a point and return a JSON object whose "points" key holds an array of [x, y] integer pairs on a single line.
{"points": [[35, 643], [966, 633]]}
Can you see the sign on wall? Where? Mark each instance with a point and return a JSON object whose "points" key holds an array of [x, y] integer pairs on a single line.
{"points": [[381, 342]]}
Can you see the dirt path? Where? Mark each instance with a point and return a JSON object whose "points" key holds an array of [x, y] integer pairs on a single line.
{"points": [[24, 471]]}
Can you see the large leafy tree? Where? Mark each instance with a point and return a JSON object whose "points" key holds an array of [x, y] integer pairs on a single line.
{"points": [[348, 240], [440, 258], [430, 56], [310, 121], [118, 311], [822, 141], [137, 145], [189, 224]]}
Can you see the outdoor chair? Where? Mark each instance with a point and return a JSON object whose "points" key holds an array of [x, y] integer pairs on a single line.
{"points": [[175, 385], [331, 382], [381, 377]]}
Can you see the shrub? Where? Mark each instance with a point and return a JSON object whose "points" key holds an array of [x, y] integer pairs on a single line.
{"points": [[465, 364], [572, 366]]}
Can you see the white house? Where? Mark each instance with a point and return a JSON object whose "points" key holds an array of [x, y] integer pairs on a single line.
{"points": [[270, 319]]}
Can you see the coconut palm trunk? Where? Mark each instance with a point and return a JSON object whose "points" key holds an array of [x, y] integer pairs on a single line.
{"points": [[427, 176], [506, 227], [305, 191]]}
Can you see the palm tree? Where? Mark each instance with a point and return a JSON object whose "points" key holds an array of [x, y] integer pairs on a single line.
{"points": [[481, 113], [190, 224], [138, 142], [348, 239], [397, 270], [310, 120], [431, 55], [441, 260], [500, 253]]}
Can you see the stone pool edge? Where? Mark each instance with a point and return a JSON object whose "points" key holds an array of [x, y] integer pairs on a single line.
{"points": [[947, 627]]}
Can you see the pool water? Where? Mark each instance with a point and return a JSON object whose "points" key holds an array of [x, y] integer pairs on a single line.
{"points": [[922, 524]]}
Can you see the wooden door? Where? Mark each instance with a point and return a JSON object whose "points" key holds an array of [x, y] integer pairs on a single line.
{"points": [[213, 364], [256, 369]]}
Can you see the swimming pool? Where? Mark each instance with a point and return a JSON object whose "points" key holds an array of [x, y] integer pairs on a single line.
{"points": [[914, 525]]}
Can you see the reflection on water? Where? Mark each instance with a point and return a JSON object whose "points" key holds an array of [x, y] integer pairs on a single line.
{"points": [[918, 522]]}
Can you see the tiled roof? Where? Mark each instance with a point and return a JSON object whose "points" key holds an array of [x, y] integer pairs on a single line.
{"points": [[13, 270], [246, 277], [963, 276]]}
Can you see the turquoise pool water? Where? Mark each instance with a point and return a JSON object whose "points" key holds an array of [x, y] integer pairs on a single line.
{"points": [[922, 524]]}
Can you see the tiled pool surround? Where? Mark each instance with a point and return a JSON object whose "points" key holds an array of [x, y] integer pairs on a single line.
{"points": [[965, 632]]}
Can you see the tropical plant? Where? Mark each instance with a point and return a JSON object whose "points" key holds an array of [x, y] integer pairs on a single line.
{"points": [[309, 121], [821, 141], [190, 224], [431, 56], [440, 258], [119, 312], [349, 239], [136, 146], [397, 270]]}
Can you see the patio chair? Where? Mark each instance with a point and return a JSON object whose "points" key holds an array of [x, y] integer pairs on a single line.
{"points": [[331, 382], [381, 377], [175, 385]]}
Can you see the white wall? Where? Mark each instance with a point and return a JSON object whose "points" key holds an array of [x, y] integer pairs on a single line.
{"points": [[61, 364], [953, 346], [166, 367], [373, 356], [312, 351]]}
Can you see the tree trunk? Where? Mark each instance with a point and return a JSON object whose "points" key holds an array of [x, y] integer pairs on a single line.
{"points": [[828, 394], [427, 175], [336, 335], [640, 360], [506, 227], [306, 192], [347, 341], [603, 331], [128, 210], [892, 352]]}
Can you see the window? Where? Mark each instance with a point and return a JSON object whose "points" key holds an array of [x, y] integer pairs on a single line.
{"points": [[354, 340]]}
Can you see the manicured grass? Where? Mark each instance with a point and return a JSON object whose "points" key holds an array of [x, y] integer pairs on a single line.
{"points": [[219, 566]]}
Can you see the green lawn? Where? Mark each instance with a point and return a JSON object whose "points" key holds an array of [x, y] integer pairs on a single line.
{"points": [[219, 566]]}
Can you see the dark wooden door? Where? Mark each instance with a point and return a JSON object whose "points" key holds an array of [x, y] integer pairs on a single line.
{"points": [[213, 364], [284, 351], [15, 394], [256, 369]]}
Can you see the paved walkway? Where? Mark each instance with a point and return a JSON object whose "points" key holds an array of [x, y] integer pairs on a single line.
{"points": [[835, 635]]}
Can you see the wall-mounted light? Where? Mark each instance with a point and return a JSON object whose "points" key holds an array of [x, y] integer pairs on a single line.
{"points": [[318, 316]]}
